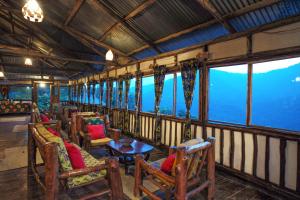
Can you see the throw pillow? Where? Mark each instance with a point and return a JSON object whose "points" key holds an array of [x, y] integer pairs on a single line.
{"points": [[167, 165], [75, 156], [96, 131]]}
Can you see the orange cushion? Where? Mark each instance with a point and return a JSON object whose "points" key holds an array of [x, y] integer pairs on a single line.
{"points": [[168, 164], [96, 131], [75, 156]]}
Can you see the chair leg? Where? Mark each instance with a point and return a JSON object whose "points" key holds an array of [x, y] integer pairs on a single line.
{"points": [[138, 176]]}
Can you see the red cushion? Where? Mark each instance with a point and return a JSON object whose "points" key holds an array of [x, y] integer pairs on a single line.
{"points": [[168, 164], [75, 156], [96, 131], [54, 132], [44, 118]]}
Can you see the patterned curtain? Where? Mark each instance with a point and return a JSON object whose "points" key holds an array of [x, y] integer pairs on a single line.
{"points": [[120, 94], [69, 92], [126, 114], [81, 93], [4, 91], [110, 97], [89, 92], [159, 77], [101, 91], [137, 102], [78, 93], [188, 75]]}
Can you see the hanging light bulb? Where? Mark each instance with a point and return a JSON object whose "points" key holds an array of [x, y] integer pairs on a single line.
{"points": [[42, 85], [1, 74], [28, 61], [32, 11], [109, 55]]}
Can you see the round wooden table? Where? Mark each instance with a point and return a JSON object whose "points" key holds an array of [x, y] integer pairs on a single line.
{"points": [[126, 153]]}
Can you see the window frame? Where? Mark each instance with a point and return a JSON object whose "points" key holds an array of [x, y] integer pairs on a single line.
{"points": [[18, 85]]}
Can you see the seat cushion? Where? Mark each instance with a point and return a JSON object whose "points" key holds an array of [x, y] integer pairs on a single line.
{"points": [[100, 142], [96, 131], [89, 161], [44, 118], [54, 132]]}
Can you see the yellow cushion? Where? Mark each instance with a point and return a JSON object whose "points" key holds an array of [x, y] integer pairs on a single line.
{"points": [[102, 141]]}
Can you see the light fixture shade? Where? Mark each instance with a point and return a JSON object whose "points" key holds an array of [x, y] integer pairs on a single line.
{"points": [[32, 11], [42, 84], [109, 55], [28, 61], [1, 74]]}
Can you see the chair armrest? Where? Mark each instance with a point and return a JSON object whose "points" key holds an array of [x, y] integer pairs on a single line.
{"points": [[84, 171], [114, 133], [143, 165]]}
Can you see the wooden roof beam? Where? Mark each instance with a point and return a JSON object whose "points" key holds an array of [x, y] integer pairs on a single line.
{"points": [[15, 50], [73, 11], [213, 11], [143, 37], [250, 8], [146, 4]]}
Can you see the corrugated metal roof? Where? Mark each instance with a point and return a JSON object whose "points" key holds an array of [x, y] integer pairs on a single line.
{"points": [[229, 6], [169, 16], [145, 54], [92, 20], [122, 38], [58, 10], [123, 7], [275, 12]]}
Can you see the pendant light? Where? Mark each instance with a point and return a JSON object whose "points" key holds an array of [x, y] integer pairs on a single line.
{"points": [[32, 11], [28, 61], [109, 56], [1, 74]]}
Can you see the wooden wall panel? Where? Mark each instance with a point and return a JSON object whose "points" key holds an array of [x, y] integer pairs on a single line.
{"points": [[189, 55], [227, 49], [278, 38], [217, 145], [226, 148], [209, 131], [199, 133], [261, 156], [237, 150], [274, 164], [291, 165], [179, 131], [249, 153], [163, 128]]}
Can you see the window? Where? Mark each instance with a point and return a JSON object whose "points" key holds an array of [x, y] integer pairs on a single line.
{"points": [[180, 101], [114, 102], [228, 94], [97, 94], [20, 92], [148, 94], [64, 93], [131, 95], [43, 96], [166, 103], [276, 94], [104, 94]]}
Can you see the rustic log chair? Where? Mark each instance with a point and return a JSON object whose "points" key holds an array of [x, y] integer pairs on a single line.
{"points": [[58, 169], [75, 124], [87, 142], [35, 114], [185, 180]]}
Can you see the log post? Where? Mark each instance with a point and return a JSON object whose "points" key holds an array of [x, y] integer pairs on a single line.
{"points": [[51, 172], [31, 150], [138, 176], [114, 179], [181, 174], [211, 169]]}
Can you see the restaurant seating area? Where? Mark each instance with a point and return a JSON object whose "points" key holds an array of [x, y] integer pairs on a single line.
{"points": [[150, 99]]}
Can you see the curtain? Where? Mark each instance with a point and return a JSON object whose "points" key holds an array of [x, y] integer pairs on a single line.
{"points": [[126, 114], [137, 102], [101, 91], [88, 92], [4, 91], [188, 75], [120, 94], [110, 97], [159, 77]]}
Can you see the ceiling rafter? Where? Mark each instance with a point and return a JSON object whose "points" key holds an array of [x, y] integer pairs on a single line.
{"points": [[146, 4], [213, 11], [143, 37], [15, 50], [73, 11], [250, 8]]}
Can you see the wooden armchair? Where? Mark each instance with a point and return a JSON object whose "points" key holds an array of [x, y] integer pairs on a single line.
{"points": [[36, 115], [87, 142], [58, 169], [185, 180]]}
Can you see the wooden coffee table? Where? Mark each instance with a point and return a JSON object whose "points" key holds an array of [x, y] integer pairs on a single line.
{"points": [[126, 153]]}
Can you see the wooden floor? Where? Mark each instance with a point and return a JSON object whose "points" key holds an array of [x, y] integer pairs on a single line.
{"points": [[15, 184]]}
